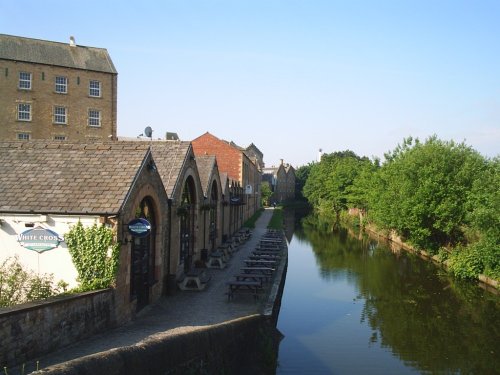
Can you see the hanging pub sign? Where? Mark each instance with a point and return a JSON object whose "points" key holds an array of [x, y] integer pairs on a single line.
{"points": [[39, 239], [139, 227]]}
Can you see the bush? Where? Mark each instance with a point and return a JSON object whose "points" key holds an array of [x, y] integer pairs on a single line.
{"points": [[18, 285], [481, 257]]}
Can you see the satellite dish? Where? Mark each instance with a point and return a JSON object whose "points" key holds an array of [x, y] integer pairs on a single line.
{"points": [[148, 132]]}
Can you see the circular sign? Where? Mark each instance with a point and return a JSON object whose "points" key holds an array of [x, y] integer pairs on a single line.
{"points": [[139, 227]]}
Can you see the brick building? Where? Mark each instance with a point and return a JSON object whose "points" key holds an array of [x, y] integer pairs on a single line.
{"points": [[56, 91], [281, 180], [240, 168]]}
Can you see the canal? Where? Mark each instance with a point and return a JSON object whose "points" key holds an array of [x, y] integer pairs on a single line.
{"points": [[351, 305]]}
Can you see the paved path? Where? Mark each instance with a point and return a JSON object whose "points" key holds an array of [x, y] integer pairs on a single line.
{"points": [[182, 312]]}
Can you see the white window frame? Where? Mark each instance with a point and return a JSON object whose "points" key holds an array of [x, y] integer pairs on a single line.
{"points": [[60, 115], [61, 83], [23, 136], [25, 79], [23, 110], [95, 88], [92, 118]]}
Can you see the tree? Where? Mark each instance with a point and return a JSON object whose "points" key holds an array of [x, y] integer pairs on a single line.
{"points": [[329, 182], [266, 193], [422, 188]]}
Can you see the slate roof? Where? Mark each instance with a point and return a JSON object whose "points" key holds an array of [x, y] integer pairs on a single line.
{"points": [[223, 182], [18, 48], [205, 164], [170, 157], [55, 177]]}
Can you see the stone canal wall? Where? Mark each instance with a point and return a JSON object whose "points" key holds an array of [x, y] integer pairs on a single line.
{"points": [[235, 346], [31, 330]]}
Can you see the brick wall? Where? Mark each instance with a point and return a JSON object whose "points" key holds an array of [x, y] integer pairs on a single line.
{"points": [[43, 98]]}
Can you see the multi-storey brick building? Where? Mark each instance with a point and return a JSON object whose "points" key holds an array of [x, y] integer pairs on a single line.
{"points": [[58, 91], [240, 169]]}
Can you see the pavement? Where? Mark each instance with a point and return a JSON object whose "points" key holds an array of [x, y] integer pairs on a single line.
{"points": [[178, 313]]}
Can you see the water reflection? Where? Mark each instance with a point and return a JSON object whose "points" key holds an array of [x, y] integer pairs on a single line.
{"points": [[351, 305]]}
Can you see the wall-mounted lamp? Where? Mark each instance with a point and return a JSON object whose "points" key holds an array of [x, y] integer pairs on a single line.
{"points": [[29, 225]]}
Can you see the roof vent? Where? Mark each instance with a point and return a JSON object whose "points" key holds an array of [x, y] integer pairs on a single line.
{"points": [[72, 41]]}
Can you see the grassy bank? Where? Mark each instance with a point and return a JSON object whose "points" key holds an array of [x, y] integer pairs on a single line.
{"points": [[276, 221]]}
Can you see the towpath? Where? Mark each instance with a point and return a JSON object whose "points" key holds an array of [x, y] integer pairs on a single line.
{"points": [[181, 312]]}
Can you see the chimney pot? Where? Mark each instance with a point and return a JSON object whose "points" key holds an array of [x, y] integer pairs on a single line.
{"points": [[72, 41]]}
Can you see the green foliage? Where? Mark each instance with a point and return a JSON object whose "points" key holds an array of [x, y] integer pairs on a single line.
{"points": [[480, 257], [330, 183], [18, 285], [435, 194], [94, 255], [301, 175], [422, 189], [265, 193]]}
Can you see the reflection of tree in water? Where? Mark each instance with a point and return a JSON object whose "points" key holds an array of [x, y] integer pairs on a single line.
{"points": [[430, 321]]}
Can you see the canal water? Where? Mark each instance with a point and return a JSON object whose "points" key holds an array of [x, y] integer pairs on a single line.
{"points": [[352, 305]]}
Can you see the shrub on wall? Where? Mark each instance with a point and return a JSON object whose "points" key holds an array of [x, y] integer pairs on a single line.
{"points": [[94, 254]]}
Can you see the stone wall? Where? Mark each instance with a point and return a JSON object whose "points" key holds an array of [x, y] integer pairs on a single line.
{"points": [[240, 346], [31, 330]]}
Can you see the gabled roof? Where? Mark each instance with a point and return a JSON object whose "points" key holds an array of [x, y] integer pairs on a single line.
{"points": [[224, 182], [56, 177], [206, 165], [170, 158], [37, 51]]}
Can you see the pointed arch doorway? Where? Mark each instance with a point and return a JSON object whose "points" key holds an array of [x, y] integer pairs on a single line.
{"points": [[187, 223], [143, 257]]}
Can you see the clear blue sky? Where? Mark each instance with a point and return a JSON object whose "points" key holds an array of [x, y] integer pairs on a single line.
{"points": [[292, 76]]}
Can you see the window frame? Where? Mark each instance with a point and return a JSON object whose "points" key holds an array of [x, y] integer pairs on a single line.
{"points": [[60, 138], [23, 136], [23, 80], [59, 85], [24, 111], [93, 89], [55, 115], [90, 118]]}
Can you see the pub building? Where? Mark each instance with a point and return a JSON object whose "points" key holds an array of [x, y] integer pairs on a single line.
{"points": [[47, 187]]}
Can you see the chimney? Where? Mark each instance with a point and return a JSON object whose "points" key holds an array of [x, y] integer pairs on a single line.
{"points": [[72, 41], [281, 161]]}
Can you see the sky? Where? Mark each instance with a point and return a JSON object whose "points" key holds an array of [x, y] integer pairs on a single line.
{"points": [[291, 76]]}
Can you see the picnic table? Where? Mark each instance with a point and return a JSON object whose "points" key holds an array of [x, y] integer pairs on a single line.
{"points": [[216, 260], [260, 262], [258, 270], [253, 287], [257, 256], [252, 277], [194, 279]]}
